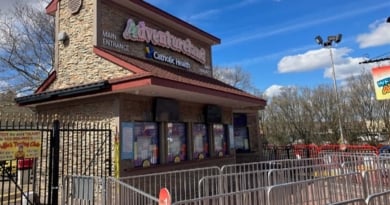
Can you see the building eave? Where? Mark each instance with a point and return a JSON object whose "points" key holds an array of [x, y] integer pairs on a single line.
{"points": [[86, 89], [51, 8], [48, 81]]}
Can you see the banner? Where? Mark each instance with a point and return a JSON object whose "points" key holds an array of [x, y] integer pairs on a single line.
{"points": [[127, 140], [19, 145], [381, 76]]}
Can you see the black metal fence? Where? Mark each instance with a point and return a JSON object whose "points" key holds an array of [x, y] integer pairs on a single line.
{"points": [[71, 147], [270, 152]]}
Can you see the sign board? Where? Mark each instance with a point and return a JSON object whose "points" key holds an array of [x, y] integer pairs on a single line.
{"points": [[164, 197], [381, 76], [137, 35], [19, 144]]}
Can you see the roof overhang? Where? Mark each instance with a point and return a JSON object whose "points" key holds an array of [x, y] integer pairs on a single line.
{"points": [[149, 86], [160, 87], [63, 94], [51, 8]]}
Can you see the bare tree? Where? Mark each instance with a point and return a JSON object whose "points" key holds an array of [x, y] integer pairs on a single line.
{"points": [[7, 104], [236, 77], [325, 115], [26, 46], [289, 117]]}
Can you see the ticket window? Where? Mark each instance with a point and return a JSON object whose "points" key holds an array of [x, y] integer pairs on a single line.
{"points": [[200, 141], [241, 139], [241, 134], [145, 144], [176, 142], [220, 140]]}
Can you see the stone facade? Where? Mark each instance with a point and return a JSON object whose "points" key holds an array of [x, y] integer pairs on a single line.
{"points": [[76, 62]]}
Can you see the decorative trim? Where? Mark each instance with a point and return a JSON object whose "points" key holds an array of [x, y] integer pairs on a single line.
{"points": [[52, 7], [117, 61], [48, 81], [74, 6]]}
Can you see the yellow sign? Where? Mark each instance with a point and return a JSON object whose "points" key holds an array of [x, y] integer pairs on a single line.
{"points": [[381, 76], [19, 144]]}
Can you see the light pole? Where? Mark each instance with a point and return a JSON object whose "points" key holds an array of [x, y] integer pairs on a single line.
{"points": [[328, 44]]}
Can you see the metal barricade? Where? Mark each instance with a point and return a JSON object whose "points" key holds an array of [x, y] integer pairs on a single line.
{"points": [[348, 148], [267, 165], [385, 150], [182, 184], [323, 158], [360, 165], [379, 198], [248, 197], [295, 174], [118, 192], [376, 181], [318, 191], [277, 153], [350, 202], [82, 190], [229, 183], [235, 182]]}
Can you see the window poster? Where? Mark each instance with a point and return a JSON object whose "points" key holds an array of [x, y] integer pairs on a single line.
{"points": [[145, 144], [176, 142], [127, 150], [200, 141], [219, 139]]}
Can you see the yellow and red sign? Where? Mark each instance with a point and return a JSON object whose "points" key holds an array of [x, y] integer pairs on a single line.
{"points": [[19, 144], [381, 76]]}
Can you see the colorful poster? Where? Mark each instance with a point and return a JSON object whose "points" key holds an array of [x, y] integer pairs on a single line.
{"points": [[176, 142], [19, 145], [127, 149], [219, 139], [145, 144], [381, 76], [200, 140]]}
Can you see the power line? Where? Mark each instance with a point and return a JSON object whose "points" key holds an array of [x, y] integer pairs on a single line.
{"points": [[374, 60]]}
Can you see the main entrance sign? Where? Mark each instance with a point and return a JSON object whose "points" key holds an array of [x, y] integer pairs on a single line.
{"points": [[141, 32]]}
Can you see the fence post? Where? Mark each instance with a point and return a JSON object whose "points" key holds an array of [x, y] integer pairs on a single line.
{"points": [[54, 161], [288, 148]]}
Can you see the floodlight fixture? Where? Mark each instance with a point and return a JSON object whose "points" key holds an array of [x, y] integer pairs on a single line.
{"points": [[328, 44], [319, 40], [388, 20], [338, 38]]}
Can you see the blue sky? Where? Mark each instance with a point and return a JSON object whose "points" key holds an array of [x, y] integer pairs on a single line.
{"points": [[273, 40]]}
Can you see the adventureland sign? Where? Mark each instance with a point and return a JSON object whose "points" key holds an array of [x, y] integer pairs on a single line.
{"points": [[19, 144], [152, 37], [141, 32]]}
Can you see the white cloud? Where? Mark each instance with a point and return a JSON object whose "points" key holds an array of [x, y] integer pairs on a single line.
{"points": [[311, 60], [379, 35], [350, 66], [272, 91], [3, 86], [344, 65]]}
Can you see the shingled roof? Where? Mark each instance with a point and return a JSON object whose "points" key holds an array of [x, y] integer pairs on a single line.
{"points": [[145, 70]]}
